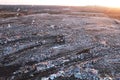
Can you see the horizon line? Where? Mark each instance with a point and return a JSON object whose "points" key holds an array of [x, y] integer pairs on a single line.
{"points": [[57, 5]]}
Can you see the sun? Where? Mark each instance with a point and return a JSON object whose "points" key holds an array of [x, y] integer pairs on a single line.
{"points": [[109, 3]]}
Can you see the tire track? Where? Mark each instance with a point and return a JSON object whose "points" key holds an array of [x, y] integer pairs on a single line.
{"points": [[30, 38], [47, 40], [68, 61]]}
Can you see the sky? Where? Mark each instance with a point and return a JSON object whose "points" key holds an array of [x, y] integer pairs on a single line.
{"points": [[107, 3]]}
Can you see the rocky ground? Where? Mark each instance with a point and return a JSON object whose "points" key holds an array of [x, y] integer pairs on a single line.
{"points": [[77, 46]]}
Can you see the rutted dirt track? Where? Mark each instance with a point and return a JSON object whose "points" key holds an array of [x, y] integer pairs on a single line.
{"points": [[60, 47]]}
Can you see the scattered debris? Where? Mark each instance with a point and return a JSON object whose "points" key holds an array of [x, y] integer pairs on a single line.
{"points": [[9, 25], [59, 47]]}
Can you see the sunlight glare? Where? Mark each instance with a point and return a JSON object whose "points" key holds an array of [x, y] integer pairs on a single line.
{"points": [[108, 3]]}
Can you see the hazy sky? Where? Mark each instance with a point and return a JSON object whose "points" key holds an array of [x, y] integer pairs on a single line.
{"points": [[109, 3]]}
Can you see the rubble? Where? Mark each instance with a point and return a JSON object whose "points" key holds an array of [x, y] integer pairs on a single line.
{"points": [[59, 47]]}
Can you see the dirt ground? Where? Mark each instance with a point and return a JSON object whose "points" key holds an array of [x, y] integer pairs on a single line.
{"points": [[76, 46]]}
